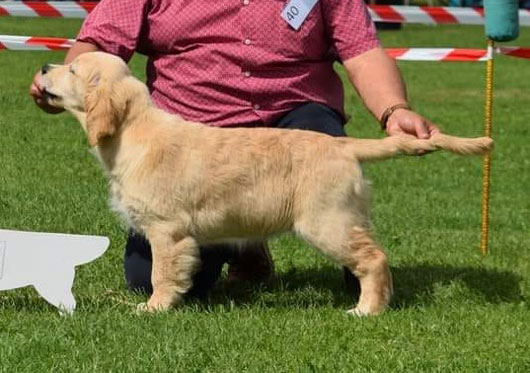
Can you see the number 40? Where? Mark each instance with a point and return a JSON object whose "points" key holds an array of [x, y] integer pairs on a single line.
{"points": [[292, 13]]}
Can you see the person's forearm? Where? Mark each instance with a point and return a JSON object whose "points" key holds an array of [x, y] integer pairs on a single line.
{"points": [[78, 48], [377, 79]]}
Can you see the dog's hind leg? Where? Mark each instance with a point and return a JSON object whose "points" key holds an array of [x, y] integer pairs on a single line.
{"points": [[174, 263], [368, 262], [355, 249], [337, 221]]}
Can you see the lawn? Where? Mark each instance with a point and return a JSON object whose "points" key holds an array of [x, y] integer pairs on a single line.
{"points": [[452, 311]]}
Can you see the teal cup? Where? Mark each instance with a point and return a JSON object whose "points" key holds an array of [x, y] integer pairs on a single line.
{"points": [[502, 19]]}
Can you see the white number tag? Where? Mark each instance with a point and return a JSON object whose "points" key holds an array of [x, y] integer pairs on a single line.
{"points": [[2, 255], [296, 11]]}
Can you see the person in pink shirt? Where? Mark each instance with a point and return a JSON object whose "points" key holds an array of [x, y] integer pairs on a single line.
{"points": [[240, 63]]}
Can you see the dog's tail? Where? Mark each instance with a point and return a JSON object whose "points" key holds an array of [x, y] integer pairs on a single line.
{"points": [[372, 150]]}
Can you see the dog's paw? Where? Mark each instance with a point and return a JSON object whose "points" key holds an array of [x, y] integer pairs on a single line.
{"points": [[363, 312], [356, 312], [155, 305], [143, 308]]}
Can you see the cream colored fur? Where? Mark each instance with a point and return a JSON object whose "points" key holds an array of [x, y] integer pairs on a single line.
{"points": [[184, 184]]}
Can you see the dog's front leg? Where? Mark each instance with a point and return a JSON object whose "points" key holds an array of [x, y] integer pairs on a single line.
{"points": [[174, 262]]}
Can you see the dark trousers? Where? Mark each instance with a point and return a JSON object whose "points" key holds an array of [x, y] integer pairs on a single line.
{"points": [[138, 259]]}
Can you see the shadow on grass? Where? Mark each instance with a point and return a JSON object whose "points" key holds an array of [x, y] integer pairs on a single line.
{"points": [[417, 284], [413, 285]]}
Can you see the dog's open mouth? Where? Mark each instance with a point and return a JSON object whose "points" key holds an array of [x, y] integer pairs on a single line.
{"points": [[49, 96]]}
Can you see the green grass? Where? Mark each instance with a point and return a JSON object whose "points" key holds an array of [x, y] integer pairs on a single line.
{"points": [[452, 310]]}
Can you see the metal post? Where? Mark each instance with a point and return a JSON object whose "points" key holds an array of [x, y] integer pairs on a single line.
{"points": [[486, 165]]}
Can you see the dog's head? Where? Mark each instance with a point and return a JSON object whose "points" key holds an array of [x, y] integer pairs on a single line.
{"points": [[96, 87]]}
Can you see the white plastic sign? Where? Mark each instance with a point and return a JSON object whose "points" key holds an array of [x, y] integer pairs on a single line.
{"points": [[46, 261]]}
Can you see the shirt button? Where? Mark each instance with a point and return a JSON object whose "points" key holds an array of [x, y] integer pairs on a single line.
{"points": [[256, 106], [247, 42], [246, 73], [246, 2]]}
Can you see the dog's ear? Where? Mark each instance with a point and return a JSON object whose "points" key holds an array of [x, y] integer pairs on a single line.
{"points": [[104, 111]]}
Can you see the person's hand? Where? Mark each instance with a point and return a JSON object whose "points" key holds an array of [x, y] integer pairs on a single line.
{"points": [[403, 121], [36, 91]]}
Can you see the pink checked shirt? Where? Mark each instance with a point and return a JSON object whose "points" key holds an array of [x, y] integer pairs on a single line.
{"points": [[234, 62]]}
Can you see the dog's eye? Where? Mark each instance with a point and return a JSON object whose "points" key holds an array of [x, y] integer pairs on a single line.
{"points": [[72, 71]]}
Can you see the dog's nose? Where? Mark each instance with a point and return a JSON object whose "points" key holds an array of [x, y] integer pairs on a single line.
{"points": [[44, 69]]}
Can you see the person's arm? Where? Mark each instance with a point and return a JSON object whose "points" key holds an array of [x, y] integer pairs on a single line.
{"points": [[78, 48], [378, 81], [374, 75], [35, 90]]}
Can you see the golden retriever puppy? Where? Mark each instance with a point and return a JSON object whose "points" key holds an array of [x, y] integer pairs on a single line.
{"points": [[184, 184]]}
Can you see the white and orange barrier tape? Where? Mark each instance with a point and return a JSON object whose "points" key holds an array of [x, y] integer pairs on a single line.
{"points": [[454, 54], [379, 13], [34, 43], [438, 54], [435, 15], [66, 9]]}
